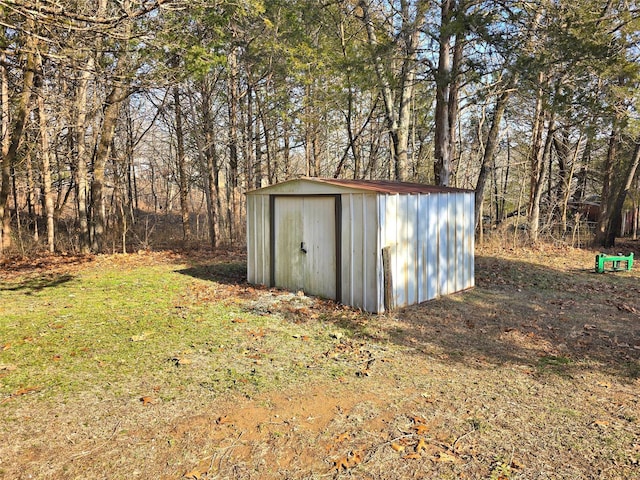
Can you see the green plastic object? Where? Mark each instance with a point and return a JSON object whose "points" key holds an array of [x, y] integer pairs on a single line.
{"points": [[618, 262]]}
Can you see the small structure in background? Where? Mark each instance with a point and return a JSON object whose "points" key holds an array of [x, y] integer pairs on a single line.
{"points": [[374, 245], [618, 262]]}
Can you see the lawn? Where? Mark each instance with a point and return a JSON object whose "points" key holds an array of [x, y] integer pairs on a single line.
{"points": [[168, 365]]}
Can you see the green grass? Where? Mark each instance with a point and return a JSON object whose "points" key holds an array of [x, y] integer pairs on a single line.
{"points": [[133, 331]]}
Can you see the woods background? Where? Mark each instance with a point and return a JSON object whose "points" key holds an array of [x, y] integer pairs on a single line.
{"points": [[131, 124]]}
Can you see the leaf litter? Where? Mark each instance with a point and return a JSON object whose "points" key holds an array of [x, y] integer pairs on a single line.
{"points": [[533, 373]]}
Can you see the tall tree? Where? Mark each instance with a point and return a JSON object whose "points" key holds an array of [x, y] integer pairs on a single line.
{"points": [[397, 74], [15, 133]]}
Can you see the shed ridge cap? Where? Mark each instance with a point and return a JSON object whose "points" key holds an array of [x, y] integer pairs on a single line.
{"points": [[378, 186]]}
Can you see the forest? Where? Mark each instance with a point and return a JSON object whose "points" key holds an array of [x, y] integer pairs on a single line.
{"points": [[133, 124]]}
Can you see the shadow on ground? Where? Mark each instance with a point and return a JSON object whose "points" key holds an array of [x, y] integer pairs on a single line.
{"points": [[536, 317], [37, 284], [231, 273]]}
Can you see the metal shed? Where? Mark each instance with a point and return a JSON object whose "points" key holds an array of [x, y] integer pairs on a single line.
{"points": [[374, 245]]}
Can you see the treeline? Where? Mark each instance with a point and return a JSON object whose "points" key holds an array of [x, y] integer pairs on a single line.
{"points": [[125, 120]]}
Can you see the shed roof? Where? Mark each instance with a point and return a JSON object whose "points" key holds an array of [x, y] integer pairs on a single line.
{"points": [[379, 186]]}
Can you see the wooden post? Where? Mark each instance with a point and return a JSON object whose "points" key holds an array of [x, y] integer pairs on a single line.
{"points": [[388, 280]]}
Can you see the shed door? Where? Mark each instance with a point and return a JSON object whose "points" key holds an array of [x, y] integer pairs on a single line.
{"points": [[305, 245]]}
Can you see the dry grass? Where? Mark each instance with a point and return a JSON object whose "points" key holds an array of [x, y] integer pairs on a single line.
{"points": [[532, 374]]}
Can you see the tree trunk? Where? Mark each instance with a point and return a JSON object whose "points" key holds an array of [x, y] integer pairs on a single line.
{"points": [[616, 212], [606, 198], [119, 92], [212, 173], [534, 218], [15, 136], [251, 143], [234, 97], [452, 105], [492, 144], [442, 161], [81, 170], [32, 214], [46, 162], [398, 116], [5, 166], [566, 186], [111, 111], [183, 184]]}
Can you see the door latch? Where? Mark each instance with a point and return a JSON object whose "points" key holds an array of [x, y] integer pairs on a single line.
{"points": [[303, 248]]}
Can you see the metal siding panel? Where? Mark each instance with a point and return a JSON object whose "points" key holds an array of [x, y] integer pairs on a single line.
{"points": [[265, 238], [251, 244], [465, 241], [319, 229], [432, 246], [258, 241], [380, 242], [422, 235], [289, 260], [392, 234], [460, 220], [349, 249], [402, 252], [257, 259], [471, 239], [469, 227], [451, 250], [357, 286], [411, 219], [365, 252], [370, 273], [443, 244]]}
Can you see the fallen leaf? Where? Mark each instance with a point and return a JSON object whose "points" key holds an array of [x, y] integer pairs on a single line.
{"points": [[147, 401], [256, 333], [222, 420], [193, 475], [57, 358], [411, 456], [444, 457], [24, 391], [627, 308], [422, 445], [355, 459], [7, 367], [601, 423], [341, 464], [6, 346], [397, 448], [420, 429], [239, 320], [342, 437]]}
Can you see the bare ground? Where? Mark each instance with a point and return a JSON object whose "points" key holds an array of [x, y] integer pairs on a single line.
{"points": [[533, 374]]}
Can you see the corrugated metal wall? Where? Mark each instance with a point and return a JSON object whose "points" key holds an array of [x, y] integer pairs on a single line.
{"points": [[258, 234], [432, 243], [360, 251], [430, 237]]}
